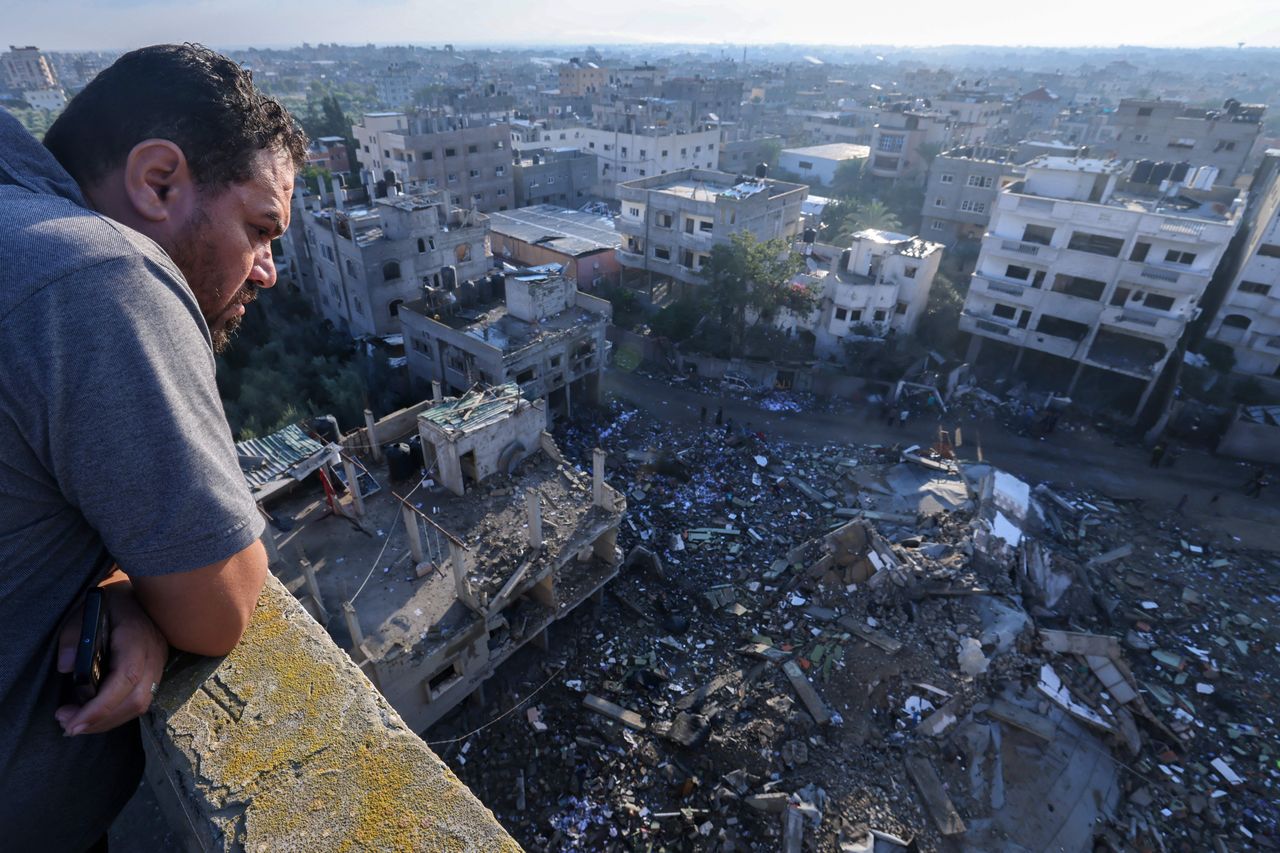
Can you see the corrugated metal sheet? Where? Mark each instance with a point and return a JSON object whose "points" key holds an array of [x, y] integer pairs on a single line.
{"points": [[475, 407], [282, 450]]}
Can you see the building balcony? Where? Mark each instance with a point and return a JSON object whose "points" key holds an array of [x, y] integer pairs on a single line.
{"points": [[1021, 248], [1146, 323], [284, 744], [630, 259], [988, 325], [1004, 288]]}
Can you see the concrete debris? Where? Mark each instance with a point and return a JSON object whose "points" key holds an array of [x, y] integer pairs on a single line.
{"points": [[864, 649]]}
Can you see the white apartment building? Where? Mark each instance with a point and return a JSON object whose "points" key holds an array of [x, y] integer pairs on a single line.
{"points": [[1249, 319], [625, 156], [878, 285], [670, 223], [1094, 274], [817, 164]]}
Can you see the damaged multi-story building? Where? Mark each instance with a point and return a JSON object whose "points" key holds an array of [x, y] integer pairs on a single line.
{"points": [[1249, 319], [531, 327], [503, 537], [361, 262], [1092, 269]]}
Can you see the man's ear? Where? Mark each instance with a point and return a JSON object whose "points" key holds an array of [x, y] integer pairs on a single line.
{"points": [[158, 182]]}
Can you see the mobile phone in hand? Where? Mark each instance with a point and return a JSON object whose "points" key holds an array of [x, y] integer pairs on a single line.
{"points": [[91, 651]]}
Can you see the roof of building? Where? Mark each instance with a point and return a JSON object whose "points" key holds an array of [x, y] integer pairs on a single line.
{"points": [[558, 228], [1094, 165], [833, 151], [474, 409], [275, 456]]}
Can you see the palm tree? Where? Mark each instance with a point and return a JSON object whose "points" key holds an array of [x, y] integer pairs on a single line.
{"points": [[870, 214], [875, 214]]}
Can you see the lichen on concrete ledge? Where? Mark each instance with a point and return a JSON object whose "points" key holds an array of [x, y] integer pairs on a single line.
{"points": [[284, 745]]}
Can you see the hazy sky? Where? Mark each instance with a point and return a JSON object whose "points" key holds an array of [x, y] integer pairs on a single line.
{"points": [[109, 24]]}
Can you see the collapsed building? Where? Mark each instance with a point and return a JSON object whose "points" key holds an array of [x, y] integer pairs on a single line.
{"points": [[449, 575]]}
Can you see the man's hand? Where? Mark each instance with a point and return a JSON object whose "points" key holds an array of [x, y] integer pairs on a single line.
{"points": [[138, 655]]}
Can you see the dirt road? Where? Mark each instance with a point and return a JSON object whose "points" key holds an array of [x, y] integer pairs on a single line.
{"points": [[1082, 458]]}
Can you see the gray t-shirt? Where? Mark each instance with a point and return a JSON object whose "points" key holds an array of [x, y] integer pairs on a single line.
{"points": [[113, 448]]}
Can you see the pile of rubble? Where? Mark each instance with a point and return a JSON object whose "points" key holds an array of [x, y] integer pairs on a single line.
{"points": [[861, 648]]}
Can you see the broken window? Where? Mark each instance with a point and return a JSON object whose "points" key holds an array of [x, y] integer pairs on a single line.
{"points": [[1004, 312], [1236, 321], [390, 271], [1061, 327], [526, 375], [1255, 287], [1139, 252], [1173, 256], [1120, 297], [842, 314], [1039, 234], [1018, 272], [1158, 302], [1097, 244], [1085, 288]]}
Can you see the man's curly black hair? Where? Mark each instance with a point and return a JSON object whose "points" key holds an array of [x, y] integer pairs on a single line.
{"points": [[196, 98]]}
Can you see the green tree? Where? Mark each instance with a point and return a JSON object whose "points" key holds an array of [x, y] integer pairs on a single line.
{"points": [[746, 277], [850, 179], [939, 328]]}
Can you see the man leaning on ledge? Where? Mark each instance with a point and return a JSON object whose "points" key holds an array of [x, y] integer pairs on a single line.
{"points": [[132, 241]]}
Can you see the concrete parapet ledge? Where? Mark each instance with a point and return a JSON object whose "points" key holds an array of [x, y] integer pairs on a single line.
{"points": [[284, 745]]}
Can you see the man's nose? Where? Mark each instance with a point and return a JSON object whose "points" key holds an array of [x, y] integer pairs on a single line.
{"points": [[264, 269]]}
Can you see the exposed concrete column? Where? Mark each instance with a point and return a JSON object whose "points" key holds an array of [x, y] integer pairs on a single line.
{"points": [[415, 535], [353, 485], [597, 478], [449, 467], [1075, 377], [533, 504], [371, 428], [462, 586], [1017, 359], [437, 393], [353, 628], [313, 586], [568, 398], [975, 347], [1142, 401]]}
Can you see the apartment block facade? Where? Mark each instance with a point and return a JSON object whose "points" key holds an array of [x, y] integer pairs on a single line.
{"points": [[431, 152], [897, 138], [670, 223], [1249, 319], [627, 155], [1171, 131], [564, 176], [1095, 273], [361, 264], [961, 191], [27, 69]]}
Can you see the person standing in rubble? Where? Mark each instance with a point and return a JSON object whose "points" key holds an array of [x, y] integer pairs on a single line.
{"points": [[1157, 454], [903, 416], [1256, 484]]}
